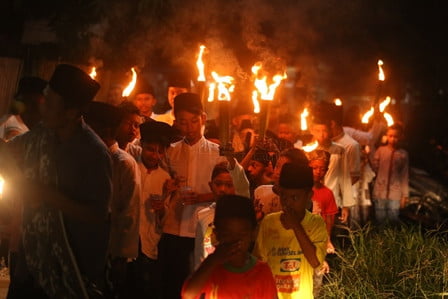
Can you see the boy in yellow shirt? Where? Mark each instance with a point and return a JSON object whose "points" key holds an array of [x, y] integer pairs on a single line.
{"points": [[293, 242]]}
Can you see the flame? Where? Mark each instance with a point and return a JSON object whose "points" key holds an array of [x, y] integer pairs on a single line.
{"points": [[2, 184], [200, 64], [93, 73], [225, 87], [127, 91], [310, 146], [255, 101], [266, 91], [384, 104], [365, 118], [338, 102], [303, 123], [381, 75], [389, 119]]}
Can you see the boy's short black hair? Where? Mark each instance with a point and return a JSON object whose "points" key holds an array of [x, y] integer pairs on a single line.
{"points": [[189, 102], [127, 107], [218, 169], [320, 155], [294, 155], [235, 206]]}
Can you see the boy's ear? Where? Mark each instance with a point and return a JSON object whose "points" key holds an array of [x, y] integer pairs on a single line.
{"points": [[203, 118]]}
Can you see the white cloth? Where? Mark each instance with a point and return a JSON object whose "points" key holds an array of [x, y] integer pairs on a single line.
{"points": [[124, 206], [152, 183], [266, 201], [203, 246], [11, 122], [167, 117], [352, 153], [337, 179], [195, 163]]}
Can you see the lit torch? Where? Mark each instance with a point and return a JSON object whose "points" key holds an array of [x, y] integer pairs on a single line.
{"points": [[366, 117], [310, 147], [93, 73], [2, 184], [201, 74], [266, 92], [224, 87], [127, 91], [303, 122], [338, 102]]}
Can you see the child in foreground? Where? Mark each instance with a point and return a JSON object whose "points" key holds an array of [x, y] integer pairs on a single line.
{"points": [[231, 271], [293, 242]]}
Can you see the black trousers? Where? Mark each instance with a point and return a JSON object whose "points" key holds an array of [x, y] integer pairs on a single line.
{"points": [[175, 256]]}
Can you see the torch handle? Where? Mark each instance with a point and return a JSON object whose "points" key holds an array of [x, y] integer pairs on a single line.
{"points": [[224, 122]]}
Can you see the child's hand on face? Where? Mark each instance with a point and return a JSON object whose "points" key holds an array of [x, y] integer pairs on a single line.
{"points": [[225, 251], [290, 218]]}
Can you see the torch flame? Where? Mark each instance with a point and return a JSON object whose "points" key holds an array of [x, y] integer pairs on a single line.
{"points": [[367, 116], [381, 75], [93, 73], [389, 119], [225, 87], [255, 101], [127, 91], [310, 147], [338, 102], [384, 104], [200, 64], [267, 91], [303, 123], [2, 184]]}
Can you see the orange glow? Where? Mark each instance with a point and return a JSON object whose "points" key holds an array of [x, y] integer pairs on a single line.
{"points": [[224, 85], [2, 184], [338, 102], [303, 122], [310, 147], [381, 75], [389, 119], [93, 73], [266, 91], [200, 64], [365, 118], [255, 101], [127, 91], [384, 104]]}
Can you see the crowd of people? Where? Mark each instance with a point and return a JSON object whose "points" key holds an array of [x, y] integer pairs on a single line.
{"points": [[115, 201]]}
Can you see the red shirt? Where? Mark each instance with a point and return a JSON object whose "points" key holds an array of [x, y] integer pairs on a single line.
{"points": [[324, 203], [255, 281]]}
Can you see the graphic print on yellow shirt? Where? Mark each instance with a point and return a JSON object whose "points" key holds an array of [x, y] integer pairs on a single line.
{"points": [[281, 250]]}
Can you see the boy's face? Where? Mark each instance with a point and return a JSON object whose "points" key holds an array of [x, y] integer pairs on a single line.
{"points": [[190, 125], [286, 132], [152, 153], [256, 169], [296, 200], [174, 91], [320, 168], [321, 133], [235, 230], [222, 184], [393, 136], [145, 102], [129, 129], [53, 110], [278, 167]]}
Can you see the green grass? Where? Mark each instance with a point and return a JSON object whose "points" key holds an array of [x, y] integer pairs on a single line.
{"points": [[401, 262]]}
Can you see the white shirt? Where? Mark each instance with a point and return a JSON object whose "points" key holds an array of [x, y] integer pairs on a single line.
{"points": [[150, 230], [352, 153], [167, 117], [266, 201], [203, 245], [195, 163], [337, 179], [124, 206], [11, 122]]}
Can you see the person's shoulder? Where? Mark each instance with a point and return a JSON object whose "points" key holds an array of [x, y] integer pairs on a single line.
{"points": [[313, 220], [336, 148], [271, 218], [263, 189]]}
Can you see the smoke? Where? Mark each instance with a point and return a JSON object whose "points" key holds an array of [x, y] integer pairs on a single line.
{"points": [[324, 41]]}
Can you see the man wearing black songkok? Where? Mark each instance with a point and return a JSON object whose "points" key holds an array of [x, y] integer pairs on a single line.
{"points": [[63, 173]]}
